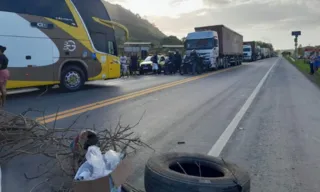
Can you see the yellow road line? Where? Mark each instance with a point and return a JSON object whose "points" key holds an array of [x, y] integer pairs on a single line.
{"points": [[99, 104], [114, 98]]}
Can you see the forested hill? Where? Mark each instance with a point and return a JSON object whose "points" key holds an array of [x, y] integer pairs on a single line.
{"points": [[140, 29]]}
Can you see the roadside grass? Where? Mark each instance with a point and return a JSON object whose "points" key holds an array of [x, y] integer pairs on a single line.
{"points": [[305, 69]]}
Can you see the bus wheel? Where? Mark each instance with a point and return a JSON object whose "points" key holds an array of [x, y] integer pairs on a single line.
{"points": [[72, 78]]}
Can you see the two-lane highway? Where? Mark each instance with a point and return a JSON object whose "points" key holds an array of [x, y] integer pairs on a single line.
{"points": [[197, 110]]}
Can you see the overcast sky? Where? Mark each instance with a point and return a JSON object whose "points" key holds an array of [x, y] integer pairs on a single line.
{"points": [[266, 20]]}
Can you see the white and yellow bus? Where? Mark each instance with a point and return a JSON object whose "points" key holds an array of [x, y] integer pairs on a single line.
{"points": [[65, 42]]}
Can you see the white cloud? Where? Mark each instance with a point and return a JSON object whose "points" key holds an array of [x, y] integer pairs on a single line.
{"points": [[268, 20], [161, 8], [202, 13]]}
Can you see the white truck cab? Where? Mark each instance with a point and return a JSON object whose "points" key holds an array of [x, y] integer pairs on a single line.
{"points": [[247, 52], [206, 43]]}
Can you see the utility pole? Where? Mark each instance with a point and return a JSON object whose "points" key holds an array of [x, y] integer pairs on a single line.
{"points": [[296, 34]]}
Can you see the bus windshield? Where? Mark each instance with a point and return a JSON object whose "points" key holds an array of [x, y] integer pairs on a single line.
{"points": [[103, 37], [199, 44]]}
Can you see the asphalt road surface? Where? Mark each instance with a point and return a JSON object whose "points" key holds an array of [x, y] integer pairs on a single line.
{"points": [[276, 141]]}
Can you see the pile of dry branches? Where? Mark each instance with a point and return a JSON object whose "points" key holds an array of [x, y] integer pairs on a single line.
{"points": [[22, 136]]}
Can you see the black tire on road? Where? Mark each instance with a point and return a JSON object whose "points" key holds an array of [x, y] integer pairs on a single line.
{"points": [[77, 74], [181, 71], [164, 174]]}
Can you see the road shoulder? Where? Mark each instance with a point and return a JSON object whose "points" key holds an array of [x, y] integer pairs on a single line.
{"points": [[277, 141]]}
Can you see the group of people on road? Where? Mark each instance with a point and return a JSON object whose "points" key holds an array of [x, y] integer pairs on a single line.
{"points": [[172, 62], [129, 67]]}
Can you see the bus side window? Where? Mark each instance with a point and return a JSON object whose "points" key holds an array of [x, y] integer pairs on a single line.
{"points": [[115, 48], [58, 10]]}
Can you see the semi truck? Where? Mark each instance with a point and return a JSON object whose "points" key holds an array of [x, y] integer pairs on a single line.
{"points": [[259, 53], [218, 45], [265, 52], [251, 51]]}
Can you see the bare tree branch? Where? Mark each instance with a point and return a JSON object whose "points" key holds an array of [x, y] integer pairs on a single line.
{"points": [[22, 136]]}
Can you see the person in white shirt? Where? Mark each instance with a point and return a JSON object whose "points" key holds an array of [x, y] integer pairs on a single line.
{"points": [[124, 66]]}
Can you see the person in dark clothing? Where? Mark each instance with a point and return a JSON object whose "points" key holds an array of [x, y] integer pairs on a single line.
{"points": [[134, 64], [194, 59], [316, 63], [177, 61], [171, 62], [155, 65], [4, 74], [311, 61]]}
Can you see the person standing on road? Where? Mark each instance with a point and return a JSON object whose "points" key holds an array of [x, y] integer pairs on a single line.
{"points": [[171, 62], [194, 60], [177, 61], [155, 66], [4, 74], [134, 64], [124, 67]]}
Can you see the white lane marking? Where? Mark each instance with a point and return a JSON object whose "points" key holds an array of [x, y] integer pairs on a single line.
{"points": [[292, 59], [225, 136]]}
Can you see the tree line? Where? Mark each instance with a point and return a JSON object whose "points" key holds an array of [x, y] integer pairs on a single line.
{"points": [[265, 45]]}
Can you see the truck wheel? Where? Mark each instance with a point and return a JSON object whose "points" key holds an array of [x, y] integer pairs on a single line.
{"points": [[181, 172], [221, 64], [72, 78], [182, 70], [225, 65]]}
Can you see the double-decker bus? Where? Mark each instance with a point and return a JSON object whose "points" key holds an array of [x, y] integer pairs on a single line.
{"points": [[64, 42]]}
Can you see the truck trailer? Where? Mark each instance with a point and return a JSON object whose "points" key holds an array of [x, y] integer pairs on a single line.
{"points": [[219, 45], [265, 52]]}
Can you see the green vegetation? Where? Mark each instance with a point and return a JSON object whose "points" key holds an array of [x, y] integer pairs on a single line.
{"points": [[171, 40], [265, 45], [140, 29], [305, 69]]}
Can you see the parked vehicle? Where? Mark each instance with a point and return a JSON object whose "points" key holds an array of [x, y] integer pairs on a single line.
{"points": [[58, 42], [219, 45], [268, 53], [265, 52], [251, 51], [146, 65], [259, 54], [186, 66]]}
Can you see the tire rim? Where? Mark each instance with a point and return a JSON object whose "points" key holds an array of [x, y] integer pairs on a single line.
{"points": [[72, 79], [196, 169]]}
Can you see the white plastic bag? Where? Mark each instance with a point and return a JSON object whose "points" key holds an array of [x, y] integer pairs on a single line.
{"points": [[98, 165], [84, 172], [111, 159], [95, 159]]}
